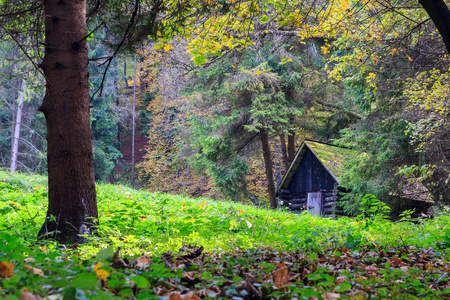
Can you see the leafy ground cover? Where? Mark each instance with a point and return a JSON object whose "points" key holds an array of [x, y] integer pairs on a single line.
{"points": [[160, 246]]}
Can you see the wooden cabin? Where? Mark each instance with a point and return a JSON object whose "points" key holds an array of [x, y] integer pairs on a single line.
{"points": [[311, 182]]}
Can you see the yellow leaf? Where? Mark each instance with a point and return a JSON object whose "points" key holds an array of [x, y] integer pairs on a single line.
{"points": [[97, 266], [370, 77], [167, 47], [409, 58], [257, 73], [101, 274], [325, 49]]}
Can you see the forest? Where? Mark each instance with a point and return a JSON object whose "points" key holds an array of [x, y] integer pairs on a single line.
{"points": [[224, 149]]}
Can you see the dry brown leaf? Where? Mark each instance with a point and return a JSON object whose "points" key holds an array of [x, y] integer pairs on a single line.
{"points": [[35, 271], [281, 275], [6, 269], [188, 296], [118, 262], [340, 280], [143, 262], [330, 296], [175, 296], [25, 294]]}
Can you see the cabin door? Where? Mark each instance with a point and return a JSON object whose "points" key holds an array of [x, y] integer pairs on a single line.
{"points": [[314, 203]]}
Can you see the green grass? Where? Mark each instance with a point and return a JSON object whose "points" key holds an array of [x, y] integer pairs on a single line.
{"points": [[233, 236]]}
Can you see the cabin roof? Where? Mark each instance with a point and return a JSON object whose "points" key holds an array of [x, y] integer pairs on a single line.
{"points": [[331, 157]]}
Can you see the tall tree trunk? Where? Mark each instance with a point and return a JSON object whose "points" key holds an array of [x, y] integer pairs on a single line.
{"points": [[269, 168], [72, 207], [125, 72], [440, 15], [291, 147], [133, 117], [17, 125], [284, 152]]}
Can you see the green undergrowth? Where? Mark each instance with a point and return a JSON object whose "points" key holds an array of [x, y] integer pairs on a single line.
{"points": [[165, 228]]}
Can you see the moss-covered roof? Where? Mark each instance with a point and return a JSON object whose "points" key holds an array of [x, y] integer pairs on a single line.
{"points": [[332, 157]]}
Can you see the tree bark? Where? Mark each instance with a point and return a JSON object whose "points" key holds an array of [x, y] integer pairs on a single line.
{"points": [[440, 15], [72, 207], [269, 168], [133, 117], [291, 147], [17, 125], [284, 152]]}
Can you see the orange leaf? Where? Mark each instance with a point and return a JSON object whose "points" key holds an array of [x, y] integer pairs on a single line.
{"points": [[241, 211], [281, 275], [143, 217], [409, 58], [6, 269], [394, 51]]}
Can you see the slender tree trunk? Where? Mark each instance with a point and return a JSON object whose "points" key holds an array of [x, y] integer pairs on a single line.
{"points": [[291, 147], [133, 122], [17, 125], [72, 207], [125, 72], [284, 152], [269, 168]]}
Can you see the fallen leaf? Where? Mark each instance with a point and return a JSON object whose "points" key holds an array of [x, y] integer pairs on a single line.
{"points": [[118, 262], [35, 271], [6, 269], [194, 254], [357, 295], [281, 275], [143, 262], [188, 296], [25, 294], [330, 296], [340, 280]]}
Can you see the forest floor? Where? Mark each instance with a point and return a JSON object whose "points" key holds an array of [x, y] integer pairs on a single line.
{"points": [[160, 246]]}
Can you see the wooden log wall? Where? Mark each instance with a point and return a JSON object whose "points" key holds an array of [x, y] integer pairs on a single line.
{"points": [[297, 202]]}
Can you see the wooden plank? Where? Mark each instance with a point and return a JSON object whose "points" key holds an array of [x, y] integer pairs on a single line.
{"points": [[297, 207], [298, 201], [314, 203]]}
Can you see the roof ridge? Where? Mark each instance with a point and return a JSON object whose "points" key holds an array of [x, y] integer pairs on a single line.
{"points": [[328, 144]]}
